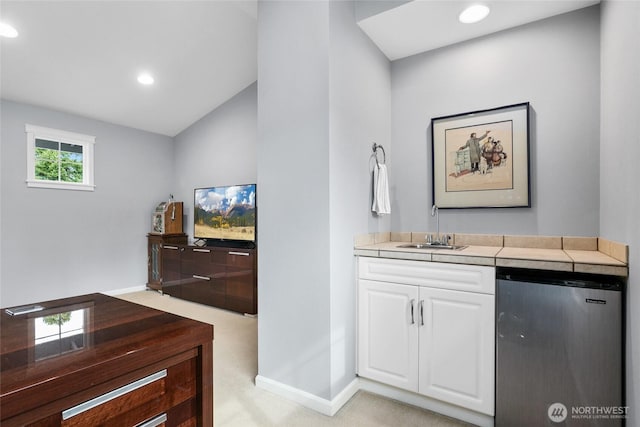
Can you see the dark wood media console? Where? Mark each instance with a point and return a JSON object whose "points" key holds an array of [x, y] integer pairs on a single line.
{"points": [[219, 276], [111, 362]]}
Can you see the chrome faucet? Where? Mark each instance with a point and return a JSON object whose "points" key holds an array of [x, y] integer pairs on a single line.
{"points": [[441, 241], [434, 212]]}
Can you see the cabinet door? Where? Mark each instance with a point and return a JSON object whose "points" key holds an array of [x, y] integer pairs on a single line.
{"points": [[241, 283], [154, 280], [171, 269], [170, 263], [388, 333], [457, 348]]}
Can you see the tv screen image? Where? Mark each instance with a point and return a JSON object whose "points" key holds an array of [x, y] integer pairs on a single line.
{"points": [[225, 213]]}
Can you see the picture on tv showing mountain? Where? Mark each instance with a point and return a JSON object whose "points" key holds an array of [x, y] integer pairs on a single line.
{"points": [[225, 213]]}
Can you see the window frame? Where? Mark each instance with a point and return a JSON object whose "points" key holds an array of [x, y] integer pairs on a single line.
{"points": [[86, 141]]}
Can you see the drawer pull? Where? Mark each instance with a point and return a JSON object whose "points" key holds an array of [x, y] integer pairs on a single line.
{"points": [[175, 248], [239, 253], [195, 276], [154, 422], [413, 320], [25, 309], [201, 250], [97, 401]]}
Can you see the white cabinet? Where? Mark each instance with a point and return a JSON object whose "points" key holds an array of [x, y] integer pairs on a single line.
{"points": [[429, 328], [387, 319], [456, 346]]}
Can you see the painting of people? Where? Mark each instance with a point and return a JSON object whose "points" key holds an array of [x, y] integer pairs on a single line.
{"points": [[480, 159], [477, 157]]}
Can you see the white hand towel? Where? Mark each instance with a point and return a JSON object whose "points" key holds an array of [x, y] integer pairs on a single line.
{"points": [[381, 202]]}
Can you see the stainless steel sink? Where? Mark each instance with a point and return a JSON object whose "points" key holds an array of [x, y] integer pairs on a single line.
{"points": [[431, 246]]}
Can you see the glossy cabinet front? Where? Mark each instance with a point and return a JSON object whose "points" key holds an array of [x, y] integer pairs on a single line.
{"points": [[223, 277], [160, 268], [203, 276], [98, 360]]}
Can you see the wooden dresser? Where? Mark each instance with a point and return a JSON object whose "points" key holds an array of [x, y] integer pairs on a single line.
{"points": [[219, 276], [97, 360]]}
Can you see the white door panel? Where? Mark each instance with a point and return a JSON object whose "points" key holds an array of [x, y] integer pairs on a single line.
{"points": [[457, 348], [388, 338]]}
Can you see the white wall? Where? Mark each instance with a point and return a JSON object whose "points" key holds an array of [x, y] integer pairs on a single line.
{"points": [[59, 243], [218, 149], [323, 98], [619, 171], [553, 64], [293, 180], [360, 113]]}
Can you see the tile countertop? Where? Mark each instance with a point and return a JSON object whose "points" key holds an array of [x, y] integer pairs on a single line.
{"points": [[578, 254]]}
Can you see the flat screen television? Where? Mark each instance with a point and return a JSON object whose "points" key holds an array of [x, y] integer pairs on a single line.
{"points": [[226, 213]]}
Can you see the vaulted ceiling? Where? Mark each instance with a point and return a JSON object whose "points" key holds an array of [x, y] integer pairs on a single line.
{"points": [[83, 57]]}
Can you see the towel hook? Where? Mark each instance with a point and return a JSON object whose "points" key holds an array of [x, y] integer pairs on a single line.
{"points": [[375, 152]]}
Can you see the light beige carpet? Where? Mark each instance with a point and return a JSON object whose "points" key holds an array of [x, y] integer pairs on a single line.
{"points": [[239, 403]]}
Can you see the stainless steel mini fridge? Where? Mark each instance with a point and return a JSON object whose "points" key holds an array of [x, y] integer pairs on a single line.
{"points": [[559, 350]]}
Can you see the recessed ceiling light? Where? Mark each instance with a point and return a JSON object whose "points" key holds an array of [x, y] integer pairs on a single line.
{"points": [[145, 79], [7, 30], [473, 14]]}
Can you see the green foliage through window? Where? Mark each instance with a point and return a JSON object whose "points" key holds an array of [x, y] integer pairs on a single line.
{"points": [[58, 161], [57, 319]]}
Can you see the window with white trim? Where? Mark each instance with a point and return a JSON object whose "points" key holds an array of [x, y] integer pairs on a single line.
{"points": [[59, 159]]}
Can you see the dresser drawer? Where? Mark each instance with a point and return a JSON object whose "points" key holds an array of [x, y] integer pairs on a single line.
{"points": [[240, 258], [201, 262], [146, 399]]}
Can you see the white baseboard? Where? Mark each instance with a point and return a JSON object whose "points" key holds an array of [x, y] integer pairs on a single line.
{"points": [[343, 397], [427, 403], [121, 291], [331, 407], [311, 401]]}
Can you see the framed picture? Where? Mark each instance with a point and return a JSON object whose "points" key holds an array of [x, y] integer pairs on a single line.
{"points": [[481, 159]]}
